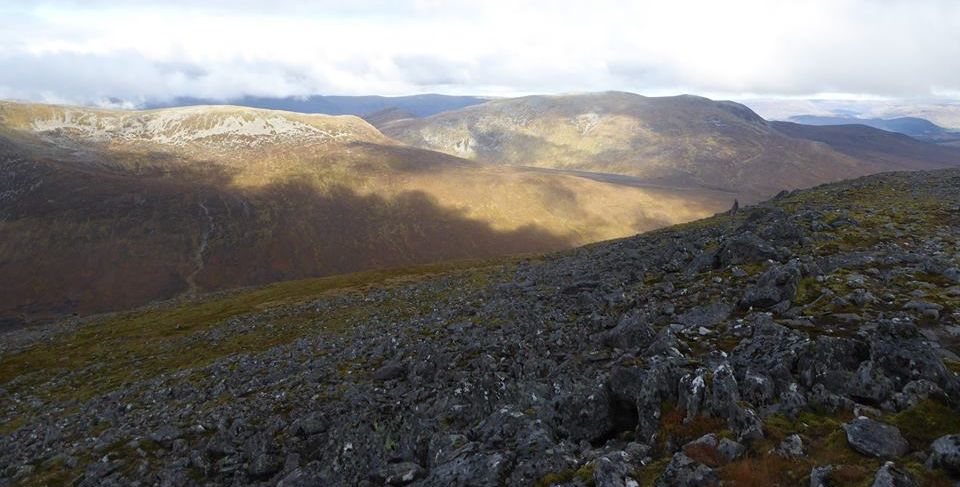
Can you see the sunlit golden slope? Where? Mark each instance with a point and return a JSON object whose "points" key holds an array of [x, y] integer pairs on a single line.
{"points": [[681, 140], [108, 209]]}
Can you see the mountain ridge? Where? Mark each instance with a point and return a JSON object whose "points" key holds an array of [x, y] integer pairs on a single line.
{"points": [[916, 127], [681, 140], [242, 127], [115, 209]]}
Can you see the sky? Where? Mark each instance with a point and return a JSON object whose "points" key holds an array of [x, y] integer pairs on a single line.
{"points": [[111, 52]]}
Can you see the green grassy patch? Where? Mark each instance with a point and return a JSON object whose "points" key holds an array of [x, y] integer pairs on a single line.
{"points": [[953, 366], [925, 422], [808, 289], [132, 346], [584, 474], [648, 475]]}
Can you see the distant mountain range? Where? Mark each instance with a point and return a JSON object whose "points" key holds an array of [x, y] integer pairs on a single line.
{"points": [[944, 113], [106, 209], [880, 147], [915, 127]]}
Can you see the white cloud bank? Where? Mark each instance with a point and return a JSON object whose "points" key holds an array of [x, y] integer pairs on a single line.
{"points": [[99, 50]]}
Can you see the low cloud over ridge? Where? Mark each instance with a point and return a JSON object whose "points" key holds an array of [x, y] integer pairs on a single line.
{"points": [[112, 52]]}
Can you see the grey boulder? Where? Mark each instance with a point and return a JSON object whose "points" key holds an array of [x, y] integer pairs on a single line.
{"points": [[890, 476], [945, 453], [875, 439], [683, 471]]}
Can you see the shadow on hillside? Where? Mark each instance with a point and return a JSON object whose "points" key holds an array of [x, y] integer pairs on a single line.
{"points": [[290, 231], [93, 239]]}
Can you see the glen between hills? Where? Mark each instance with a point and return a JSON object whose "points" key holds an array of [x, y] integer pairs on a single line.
{"points": [[104, 210]]}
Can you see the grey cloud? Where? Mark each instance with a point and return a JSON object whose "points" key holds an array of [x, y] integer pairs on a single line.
{"points": [[886, 48], [82, 78], [433, 71]]}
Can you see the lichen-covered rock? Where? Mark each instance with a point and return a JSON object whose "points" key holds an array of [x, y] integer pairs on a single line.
{"points": [[390, 371], [730, 450], [819, 476], [265, 465], [875, 439], [903, 354], [401, 473], [166, 435], [631, 332], [480, 469], [890, 476], [777, 284], [869, 384], [705, 316], [613, 470], [723, 450], [945, 453], [744, 248], [682, 471], [791, 447]]}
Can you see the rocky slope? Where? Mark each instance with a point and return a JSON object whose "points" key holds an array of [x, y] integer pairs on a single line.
{"points": [[682, 141], [104, 210], [808, 340]]}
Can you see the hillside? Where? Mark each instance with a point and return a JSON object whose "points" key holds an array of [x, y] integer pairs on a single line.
{"points": [[917, 128], [808, 340], [682, 141], [382, 117], [883, 148], [104, 210]]}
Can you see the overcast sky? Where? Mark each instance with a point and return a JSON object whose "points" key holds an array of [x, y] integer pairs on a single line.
{"points": [[96, 50]]}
